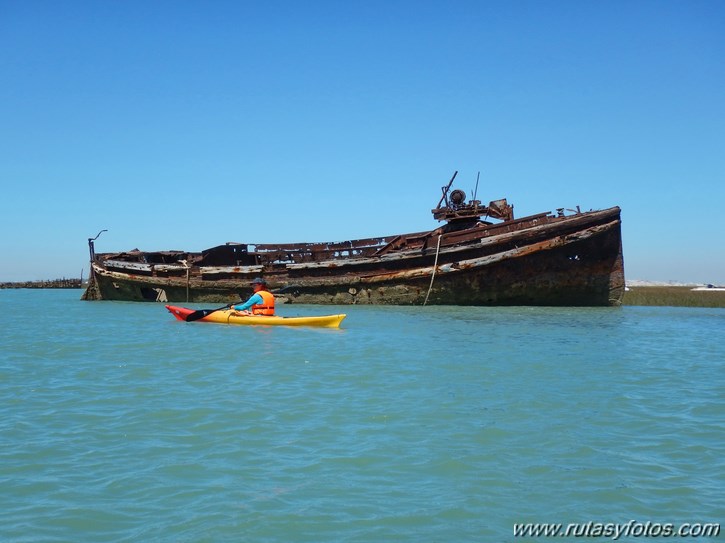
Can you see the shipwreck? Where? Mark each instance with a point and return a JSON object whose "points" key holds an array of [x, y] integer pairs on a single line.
{"points": [[480, 255]]}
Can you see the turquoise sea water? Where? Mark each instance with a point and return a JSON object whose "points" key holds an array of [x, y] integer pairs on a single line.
{"points": [[118, 423]]}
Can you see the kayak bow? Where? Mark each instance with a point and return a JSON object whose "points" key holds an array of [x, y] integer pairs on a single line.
{"points": [[229, 317]]}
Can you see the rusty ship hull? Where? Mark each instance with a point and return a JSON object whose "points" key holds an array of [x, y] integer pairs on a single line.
{"points": [[544, 259]]}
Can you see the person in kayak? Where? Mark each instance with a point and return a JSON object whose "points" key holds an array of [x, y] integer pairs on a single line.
{"points": [[259, 303]]}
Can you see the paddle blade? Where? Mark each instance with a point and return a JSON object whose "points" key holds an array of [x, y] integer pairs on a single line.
{"points": [[200, 314]]}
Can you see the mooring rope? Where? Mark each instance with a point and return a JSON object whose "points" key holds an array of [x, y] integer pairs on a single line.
{"points": [[188, 272], [435, 266]]}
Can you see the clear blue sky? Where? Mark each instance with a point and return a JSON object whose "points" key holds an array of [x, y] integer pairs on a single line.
{"points": [[184, 125]]}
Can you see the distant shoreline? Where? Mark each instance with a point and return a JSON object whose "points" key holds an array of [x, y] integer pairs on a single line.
{"points": [[50, 283], [675, 296]]}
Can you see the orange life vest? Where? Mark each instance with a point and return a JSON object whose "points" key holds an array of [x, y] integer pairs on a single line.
{"points": [[266, 308]]}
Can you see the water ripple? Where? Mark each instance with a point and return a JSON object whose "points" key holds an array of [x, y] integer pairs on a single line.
{"points": [[409, 424]]}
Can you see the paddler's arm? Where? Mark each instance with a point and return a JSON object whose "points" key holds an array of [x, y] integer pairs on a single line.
{"points": [[254, 299]]}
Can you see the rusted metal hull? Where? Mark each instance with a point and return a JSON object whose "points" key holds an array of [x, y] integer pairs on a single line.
{"points": [[573, 260]]}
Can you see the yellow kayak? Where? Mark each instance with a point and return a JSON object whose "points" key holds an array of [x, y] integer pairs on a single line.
{"points": [[227, 316]]}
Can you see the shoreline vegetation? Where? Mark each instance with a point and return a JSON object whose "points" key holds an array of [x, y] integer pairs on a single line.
{"points": [[49, 283], [647, 295], [676, 296]]}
